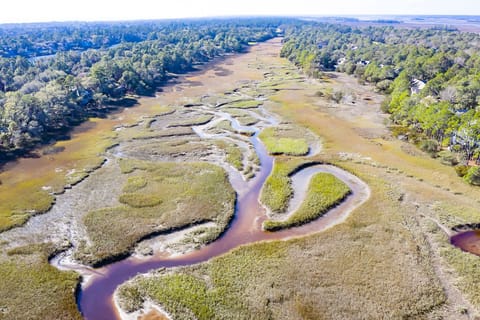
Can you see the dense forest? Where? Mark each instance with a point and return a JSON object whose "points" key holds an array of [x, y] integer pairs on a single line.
{"points": [[430, 77], [53, 76]]}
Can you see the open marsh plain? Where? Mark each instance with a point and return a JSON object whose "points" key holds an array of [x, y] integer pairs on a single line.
{"points": [[167, 184]]}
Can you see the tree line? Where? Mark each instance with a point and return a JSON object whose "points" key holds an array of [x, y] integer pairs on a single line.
{"points": [[430, 78], [91, 67]]}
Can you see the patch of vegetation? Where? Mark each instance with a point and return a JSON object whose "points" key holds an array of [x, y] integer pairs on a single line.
{"points": [[277, 142], [430, 146], [140, 200], [281, 280], [16, 209], [234, 154], [198, 121], [22, 196], [169, 149], [324, 192], [173, 196], [448, 158], [224, 125], [461, 170], [277, 189], [247, 120], [170, 132], [33, 289], [134, 184], [202, 235], [473, 176], [244, 104]]}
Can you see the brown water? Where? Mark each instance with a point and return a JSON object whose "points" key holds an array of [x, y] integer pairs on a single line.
{"points": [[96, 300], [468, 241]]}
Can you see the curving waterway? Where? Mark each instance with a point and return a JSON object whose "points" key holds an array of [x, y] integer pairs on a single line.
{"points": [[96, 297]]}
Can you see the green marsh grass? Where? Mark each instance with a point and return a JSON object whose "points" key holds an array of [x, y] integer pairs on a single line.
{"points": [[278, 143], [172, 196], [324, 192], [33, 289], [277, 189], [244, 104], [234, 155], [200, 120]]}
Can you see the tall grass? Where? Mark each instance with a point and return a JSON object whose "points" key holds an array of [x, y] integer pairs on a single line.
{"points": [[277, 189], [324, 192], [168, 196], [33, 289], [276, 144]]}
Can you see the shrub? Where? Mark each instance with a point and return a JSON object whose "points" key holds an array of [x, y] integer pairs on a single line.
{"points": [[337, 96], [430, 147], [448, 158], [384, 86], [473, 176], [398, 131]]}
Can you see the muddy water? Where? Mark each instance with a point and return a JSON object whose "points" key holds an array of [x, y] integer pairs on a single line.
{"points": [[468, 241], [96, 300]]}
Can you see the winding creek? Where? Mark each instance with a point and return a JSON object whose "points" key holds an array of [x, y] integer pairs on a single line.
{"points": [[96, 297]]}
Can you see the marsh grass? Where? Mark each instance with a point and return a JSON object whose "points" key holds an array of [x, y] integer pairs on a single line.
{"points": [[24, 195], [376, 265], [296, 279], [135, 183], [324, 192], [140, 200], [243, 117], [244, 104], [277, 189], [278, 142], [170, 132], [33, 289], [171, 196], [234, 154], [198, 121], [170, 148], [247, 120], [226, 125]]}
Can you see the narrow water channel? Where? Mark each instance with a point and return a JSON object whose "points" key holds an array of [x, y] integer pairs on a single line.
{"points": [[96, 299]]}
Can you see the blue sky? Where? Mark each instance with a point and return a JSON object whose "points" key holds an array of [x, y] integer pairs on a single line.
{"points": [[67, 10]]}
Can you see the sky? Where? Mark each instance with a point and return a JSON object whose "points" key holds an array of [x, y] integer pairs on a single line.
{"points": [[100, 10]]}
